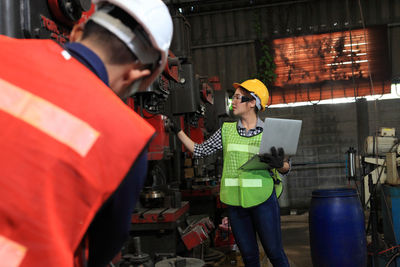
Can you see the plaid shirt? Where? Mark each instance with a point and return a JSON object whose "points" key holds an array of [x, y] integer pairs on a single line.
{"points": [[214, 143]]}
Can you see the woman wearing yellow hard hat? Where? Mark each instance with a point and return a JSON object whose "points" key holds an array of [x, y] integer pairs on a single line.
{"points": [[251, 195]]}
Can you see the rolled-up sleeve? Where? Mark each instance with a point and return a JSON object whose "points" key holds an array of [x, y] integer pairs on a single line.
{"points": [[210, 146]]}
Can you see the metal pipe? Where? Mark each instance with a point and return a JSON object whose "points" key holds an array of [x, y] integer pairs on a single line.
{"points": [[318, 163], [9, 20], [222, 44], [351, 163], [137, 249], [247, 8], [318, 166]]}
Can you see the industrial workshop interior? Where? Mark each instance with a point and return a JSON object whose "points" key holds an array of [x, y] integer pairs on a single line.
{"points": [[332, 73]]}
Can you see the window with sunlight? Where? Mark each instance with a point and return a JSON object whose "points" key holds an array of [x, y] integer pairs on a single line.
{"points": [[332, 68]]}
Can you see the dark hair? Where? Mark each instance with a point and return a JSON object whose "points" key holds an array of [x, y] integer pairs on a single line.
{"points": [[247, 93], [118, 52]]}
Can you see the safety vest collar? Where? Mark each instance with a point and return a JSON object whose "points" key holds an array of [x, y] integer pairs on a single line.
{"points": [[88, 58]]}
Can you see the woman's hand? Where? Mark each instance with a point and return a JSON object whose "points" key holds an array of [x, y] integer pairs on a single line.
{"points": [[275, 160]]}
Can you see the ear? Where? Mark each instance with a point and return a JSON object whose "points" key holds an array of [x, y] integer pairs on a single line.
{"points": [[134, 74], [76, 33]]}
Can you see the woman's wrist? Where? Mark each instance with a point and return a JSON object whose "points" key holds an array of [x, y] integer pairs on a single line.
{"points": [[285, 167]]}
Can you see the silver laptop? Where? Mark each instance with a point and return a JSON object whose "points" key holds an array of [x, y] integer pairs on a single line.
{"points": [[283, 133]]}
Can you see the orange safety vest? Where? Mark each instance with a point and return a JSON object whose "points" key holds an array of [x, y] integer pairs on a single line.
{"points": [[66, 143]]}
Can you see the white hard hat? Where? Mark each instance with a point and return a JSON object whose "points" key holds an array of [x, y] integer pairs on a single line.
{"points": [[156, 21]]}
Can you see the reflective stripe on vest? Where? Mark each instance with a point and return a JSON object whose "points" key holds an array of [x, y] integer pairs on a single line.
{"points": [[243, 182], [47, 117], [11, 253], [243, 148]]}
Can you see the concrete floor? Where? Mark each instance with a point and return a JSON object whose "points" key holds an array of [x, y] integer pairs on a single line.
{"points": [[295, 237]]}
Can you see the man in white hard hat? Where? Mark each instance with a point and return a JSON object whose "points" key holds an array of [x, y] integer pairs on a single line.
{"points": [[72, 155]]}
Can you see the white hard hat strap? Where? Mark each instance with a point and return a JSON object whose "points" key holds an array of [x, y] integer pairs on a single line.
{"points": [[145, 53], [258, 101]]}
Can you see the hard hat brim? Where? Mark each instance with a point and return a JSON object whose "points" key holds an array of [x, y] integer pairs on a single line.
{"points": [[236, 85]]}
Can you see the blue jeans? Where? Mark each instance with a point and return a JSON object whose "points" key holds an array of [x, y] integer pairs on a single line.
{"points": [[265, 220]]}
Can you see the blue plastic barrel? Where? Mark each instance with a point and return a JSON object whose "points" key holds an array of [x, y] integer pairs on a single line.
{"points": [[337, 232]]}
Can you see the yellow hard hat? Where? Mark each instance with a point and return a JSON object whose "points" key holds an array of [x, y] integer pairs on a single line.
{"points": [[258, 88]]}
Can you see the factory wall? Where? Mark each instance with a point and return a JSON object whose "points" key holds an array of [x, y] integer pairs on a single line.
{"points": [[224, 41], [327, 133]]}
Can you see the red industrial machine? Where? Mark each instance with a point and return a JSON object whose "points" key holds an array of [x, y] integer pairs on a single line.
{"points": [[179, 92]]}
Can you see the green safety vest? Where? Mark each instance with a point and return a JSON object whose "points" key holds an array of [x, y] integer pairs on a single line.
{"points": [[243, 187]]}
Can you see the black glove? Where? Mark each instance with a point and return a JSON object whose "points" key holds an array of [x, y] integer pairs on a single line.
{"points": [[275, 159], [175, 125]]}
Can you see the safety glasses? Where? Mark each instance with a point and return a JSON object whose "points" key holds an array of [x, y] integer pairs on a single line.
{"points": [[242, 98]]}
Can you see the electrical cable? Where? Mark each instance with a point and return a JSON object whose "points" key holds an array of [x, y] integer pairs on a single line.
{"points": [[392, 259], [362, 175], [373, 192], [308, 96], [366, 45], [358, 190], [294, 56], [351, 51], [370, 77], [355, 182], [389, 249], [388, 212], [283, 97], [377, 182]]}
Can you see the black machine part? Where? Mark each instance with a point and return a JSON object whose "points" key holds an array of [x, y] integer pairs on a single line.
{"points": [[185, 96], [181, 40], [151, 198], [71, 9], [138, 258], [43, 19]]}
